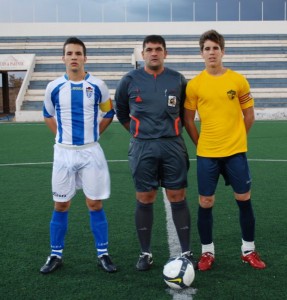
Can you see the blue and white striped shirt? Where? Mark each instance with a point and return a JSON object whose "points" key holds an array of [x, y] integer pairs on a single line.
{"points": [[75, 105]]}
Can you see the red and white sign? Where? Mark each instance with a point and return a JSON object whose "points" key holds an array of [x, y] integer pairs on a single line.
{"points": [[15, 62]]}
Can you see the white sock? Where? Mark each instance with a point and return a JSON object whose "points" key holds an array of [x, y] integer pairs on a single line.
{"points": [[247, 247], [208, 248]]}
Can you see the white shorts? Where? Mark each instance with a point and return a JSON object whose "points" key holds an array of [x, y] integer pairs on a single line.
{"points": [[80, 168]]}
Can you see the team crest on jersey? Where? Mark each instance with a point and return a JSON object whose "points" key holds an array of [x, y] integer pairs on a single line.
{"points": [[231, 94], [171, 101], [89, 92]]}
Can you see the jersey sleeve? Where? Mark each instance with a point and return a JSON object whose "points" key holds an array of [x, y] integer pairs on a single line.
{"points": [[182, 98], [106, 103], [245, 97], [190, 97], [122, 101], [48, 106]]}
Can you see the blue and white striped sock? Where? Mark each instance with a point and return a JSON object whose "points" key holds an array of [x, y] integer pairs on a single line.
{"points": [[99, 226], [58, 253]]}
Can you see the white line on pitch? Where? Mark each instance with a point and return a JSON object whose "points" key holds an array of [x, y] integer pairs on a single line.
{"points": [[175, 250], [125, 160]]}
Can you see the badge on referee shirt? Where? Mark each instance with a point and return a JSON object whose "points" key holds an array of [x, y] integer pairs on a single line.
{"points": [[171, 101]]}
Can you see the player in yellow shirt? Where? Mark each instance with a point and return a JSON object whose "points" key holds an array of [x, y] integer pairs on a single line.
{"points": [[225, 107]]}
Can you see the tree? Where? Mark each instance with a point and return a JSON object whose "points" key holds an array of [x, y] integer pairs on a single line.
{"points": [[14, 81]]}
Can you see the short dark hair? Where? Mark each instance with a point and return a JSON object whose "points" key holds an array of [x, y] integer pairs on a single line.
{"points": [[214, 36], [156, 39], [75, 40]]}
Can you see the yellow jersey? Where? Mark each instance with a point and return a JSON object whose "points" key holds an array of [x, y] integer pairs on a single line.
{"points": [[219, 101]]}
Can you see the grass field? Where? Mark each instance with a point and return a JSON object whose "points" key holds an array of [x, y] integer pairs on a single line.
{"points": [[26, 207]]}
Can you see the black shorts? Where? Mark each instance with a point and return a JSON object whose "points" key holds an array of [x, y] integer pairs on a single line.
{"points": [[158, 162], [234, 169]]}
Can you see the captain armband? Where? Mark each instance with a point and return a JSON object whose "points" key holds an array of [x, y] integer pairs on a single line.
{"points": [[109, 114]]}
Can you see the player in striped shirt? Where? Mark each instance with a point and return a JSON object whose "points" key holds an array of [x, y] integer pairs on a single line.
{"points": [[226, 110], [77, 109]]}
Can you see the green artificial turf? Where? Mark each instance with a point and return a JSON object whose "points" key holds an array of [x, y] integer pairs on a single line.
{"points": [[26, 153]]}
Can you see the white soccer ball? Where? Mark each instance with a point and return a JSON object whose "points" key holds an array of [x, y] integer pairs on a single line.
{"points": [[178, 273]]}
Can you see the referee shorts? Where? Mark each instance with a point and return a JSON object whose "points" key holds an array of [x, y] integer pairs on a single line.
{"points": [[234, 169], [83, 167], [158, 162]]}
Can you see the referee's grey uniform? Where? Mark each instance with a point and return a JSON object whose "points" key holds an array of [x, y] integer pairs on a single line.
{"points": [[153, 106]]}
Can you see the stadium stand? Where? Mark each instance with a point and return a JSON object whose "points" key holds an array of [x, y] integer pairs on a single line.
{"points": [[261, 58]]}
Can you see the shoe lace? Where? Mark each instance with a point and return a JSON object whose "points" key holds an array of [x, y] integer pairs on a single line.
{"points": [[206, 256], [255, 255], [143, 254], [108, 259], [187, 254]]}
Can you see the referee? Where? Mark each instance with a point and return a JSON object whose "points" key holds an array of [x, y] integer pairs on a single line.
{"points": [[149, 103]]}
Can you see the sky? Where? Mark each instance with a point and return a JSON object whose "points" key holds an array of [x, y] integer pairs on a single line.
{"points": [[140, 10]]}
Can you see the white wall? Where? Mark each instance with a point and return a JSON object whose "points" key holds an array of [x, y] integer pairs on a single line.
{"points": [[129, 28]]}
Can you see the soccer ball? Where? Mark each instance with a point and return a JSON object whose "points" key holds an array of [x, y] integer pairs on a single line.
{"points": [[178, 272]]}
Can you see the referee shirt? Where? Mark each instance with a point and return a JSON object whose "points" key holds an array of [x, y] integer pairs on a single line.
{"points": [[152, 104]]}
